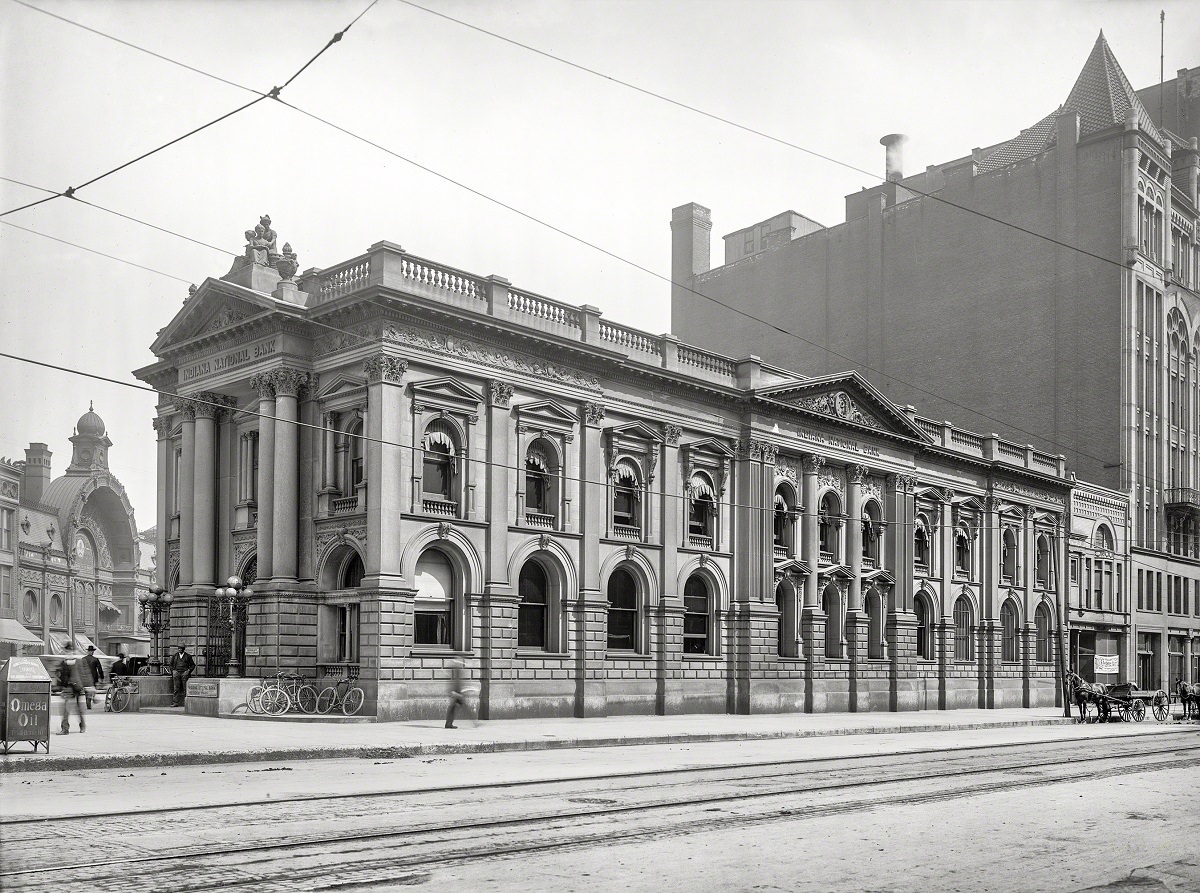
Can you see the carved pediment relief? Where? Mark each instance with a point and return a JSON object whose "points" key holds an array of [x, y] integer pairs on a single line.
{"points": [[445, 393], [849, 398], [549, 415], [209, 310]]}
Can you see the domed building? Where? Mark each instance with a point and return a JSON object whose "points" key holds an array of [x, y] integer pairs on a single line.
{"points": [[78, 561]]}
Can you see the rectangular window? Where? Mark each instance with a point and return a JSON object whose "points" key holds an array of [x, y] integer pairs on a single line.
{"points": [[6, 601], [432, 625], [347, 634], [6, 526], [1120, 604], [1141, 598]]}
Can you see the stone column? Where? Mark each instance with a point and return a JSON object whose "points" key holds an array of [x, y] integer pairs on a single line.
{"points": [[906, 683], [162, 427], [288, 385], [810, 544], [204, 499], [382, 456], [264, 384], [589, 611], [668, 638], [854, 642], [185, 488], [498, 610]]}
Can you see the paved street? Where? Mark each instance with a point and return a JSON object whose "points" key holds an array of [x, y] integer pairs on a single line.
{"points": [[1057, 807]]}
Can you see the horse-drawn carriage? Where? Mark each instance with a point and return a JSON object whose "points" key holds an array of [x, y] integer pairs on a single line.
{"points": [[1100, 702], [1189, 698]]}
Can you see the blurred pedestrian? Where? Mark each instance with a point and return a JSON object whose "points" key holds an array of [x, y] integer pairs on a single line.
{"points": [[458, 693], [120, 668], [71, 677], [95, 670], [182, 666]]}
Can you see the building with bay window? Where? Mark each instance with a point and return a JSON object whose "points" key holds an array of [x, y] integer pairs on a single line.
{"points": [[412, 464]]}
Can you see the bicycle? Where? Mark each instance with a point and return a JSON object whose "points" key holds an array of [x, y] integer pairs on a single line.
{"points": [[119, 694], [277, 695], [343, 695]]}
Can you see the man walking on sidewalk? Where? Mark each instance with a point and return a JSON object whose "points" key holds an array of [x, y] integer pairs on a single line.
{"points": [[71, 678], [182, 666], [95, 670]]}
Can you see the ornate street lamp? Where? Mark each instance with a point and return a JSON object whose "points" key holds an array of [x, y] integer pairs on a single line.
{"points": [[156, 617], [232, 601]]}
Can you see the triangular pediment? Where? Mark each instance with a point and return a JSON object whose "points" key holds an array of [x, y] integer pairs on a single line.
{"points": [[791, 566], [848, 399], [636, 430], [547, 412], [707, 445], [446, 391], [213, 307], [340, 384]]}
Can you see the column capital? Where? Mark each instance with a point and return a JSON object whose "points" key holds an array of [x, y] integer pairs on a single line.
{"points": [[857, 474], [382, 367], [812, 464], [499, 393], [264, 384], [162, 426], [289, 382], [902, 483], [671, 434], [593, 413]]}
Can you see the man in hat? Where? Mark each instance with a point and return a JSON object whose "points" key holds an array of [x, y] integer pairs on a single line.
{"points": [[95, 672], [71, 678], [182, 666]]}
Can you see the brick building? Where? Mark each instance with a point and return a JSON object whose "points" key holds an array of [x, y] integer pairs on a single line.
{"points": [[413, 464], [1090, 352]]}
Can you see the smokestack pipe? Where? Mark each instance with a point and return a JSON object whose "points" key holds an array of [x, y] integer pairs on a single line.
{"points": [[893, 143]]}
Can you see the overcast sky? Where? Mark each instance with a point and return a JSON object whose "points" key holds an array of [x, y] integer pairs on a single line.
{"points": [[593, 158]]}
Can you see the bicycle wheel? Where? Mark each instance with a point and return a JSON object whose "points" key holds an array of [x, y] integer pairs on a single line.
{"points": [[120, 700], [354, 701], [1161, 706], [306, 699], [326, 699], [275, 701], [1138, 709], [254, 699]]}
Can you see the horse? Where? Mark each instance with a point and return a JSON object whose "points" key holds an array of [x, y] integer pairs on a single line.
{"points": [[1189, 697], [1087, 692]]}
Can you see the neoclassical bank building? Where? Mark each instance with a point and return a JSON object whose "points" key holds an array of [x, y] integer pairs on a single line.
{"points": [[411, 464]]}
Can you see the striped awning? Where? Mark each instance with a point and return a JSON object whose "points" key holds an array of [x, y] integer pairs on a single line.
{"points": [[83, 643], [14, 632]]}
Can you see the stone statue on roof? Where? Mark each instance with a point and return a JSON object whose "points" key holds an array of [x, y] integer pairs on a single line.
{"points": [[261, 242]]}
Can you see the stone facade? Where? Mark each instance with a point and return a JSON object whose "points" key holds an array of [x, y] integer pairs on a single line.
{"points": [[413, 464], [1093, 351]]}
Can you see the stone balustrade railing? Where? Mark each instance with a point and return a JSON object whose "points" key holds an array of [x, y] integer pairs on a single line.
{"points": [[543, 308], [990, 447]]}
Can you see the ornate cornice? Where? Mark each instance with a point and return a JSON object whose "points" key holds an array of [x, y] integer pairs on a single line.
{"points": [[382, 367]]}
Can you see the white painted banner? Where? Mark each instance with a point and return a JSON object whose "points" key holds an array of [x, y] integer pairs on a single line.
{"points": [[1107, 663]]}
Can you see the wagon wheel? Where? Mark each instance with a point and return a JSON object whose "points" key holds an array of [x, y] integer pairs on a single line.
{"points": [[1161, 705], [1138, 709], [1091, 711], [1124, 711]]}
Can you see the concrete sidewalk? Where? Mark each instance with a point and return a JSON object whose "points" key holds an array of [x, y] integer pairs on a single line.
{"points": [[160, 739]]}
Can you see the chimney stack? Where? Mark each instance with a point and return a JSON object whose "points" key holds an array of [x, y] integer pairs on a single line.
{"points": [[893, 143], [36, 473]]}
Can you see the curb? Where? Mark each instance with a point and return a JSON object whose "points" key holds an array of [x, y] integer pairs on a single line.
{"points": [[47, 762]]}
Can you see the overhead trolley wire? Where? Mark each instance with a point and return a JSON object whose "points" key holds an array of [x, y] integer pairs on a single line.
{"points": [[70, 191]]}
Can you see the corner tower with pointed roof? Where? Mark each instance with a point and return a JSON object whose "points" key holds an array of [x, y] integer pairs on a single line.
{"points": [[1043, 287]]}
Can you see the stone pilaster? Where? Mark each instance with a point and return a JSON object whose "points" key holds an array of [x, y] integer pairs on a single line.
{"points": [[589, 612], [186, 489], [387, 407], [498, 614], [288, 384]]}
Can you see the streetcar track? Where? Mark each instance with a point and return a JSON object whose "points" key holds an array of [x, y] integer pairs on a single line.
{"points": [[691, 802], [716, 767], [396, 865]]}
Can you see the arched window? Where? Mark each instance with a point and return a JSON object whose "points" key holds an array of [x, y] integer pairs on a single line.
{"points": [[1010, 645], [924, 616], [702, 513], [1042, 569], [872, 530], [697, 616], [354, 458], [437, 594], [539, 504], [532, 612], [1008, 555], [622, 611], [921, 544], [351, 573], [962, 551], [1041, 619], [788, 602], [874, 604], [627, 501], [828, 522], [831, 604], [964, 627], [783, 524], [438, 473]]}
